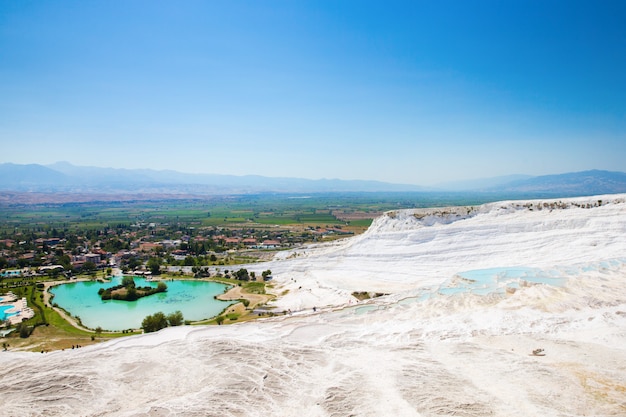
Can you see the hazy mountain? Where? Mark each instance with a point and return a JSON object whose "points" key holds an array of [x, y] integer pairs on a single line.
{"points": [[24, 177], [481, 183], [575, 183], [65, 177]]}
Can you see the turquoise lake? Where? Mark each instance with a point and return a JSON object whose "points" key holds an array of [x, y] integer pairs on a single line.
{"points": [[195, 299]]}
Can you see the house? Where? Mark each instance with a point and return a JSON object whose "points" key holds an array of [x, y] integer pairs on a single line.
{"points": [[148, 246], [93, 257], [7, 242], [52, 241], [170, 244], [249, 241], [270, 244], [49, 268], [232, 240], [28, 256]]}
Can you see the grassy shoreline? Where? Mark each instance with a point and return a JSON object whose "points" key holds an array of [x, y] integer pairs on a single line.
{"points": [[56, 329]]}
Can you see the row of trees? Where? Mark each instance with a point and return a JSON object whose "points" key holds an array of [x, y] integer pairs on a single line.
{"points": [[243, 275]]}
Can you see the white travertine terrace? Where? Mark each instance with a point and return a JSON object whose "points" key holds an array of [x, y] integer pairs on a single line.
{"points": [[401, 354]]}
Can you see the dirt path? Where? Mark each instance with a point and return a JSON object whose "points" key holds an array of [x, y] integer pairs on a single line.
{"points": [[46, 300], [237, 293]]}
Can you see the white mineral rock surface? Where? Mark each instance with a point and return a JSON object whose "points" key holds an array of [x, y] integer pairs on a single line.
{"points": [[439, 342]]}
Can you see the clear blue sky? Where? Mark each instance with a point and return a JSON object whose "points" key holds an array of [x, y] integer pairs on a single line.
{"points": [[414, 92]]}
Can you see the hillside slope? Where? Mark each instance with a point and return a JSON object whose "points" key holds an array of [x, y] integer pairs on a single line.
{"points": [[471, 292]]}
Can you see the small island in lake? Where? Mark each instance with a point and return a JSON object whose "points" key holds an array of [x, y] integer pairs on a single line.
{"points": [[127, 291]]}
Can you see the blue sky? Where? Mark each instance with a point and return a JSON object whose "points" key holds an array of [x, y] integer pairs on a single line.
{"points": [[415, 92]]}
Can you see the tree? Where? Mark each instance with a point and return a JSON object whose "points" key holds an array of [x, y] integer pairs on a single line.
{"points": [[154, 265], [176, 318], [242, 275], [66, 262], [89, 267], [98, 331], [131, 294], [161, 287], [154, 322], [133, 263], [23, 330], [128, 282]]}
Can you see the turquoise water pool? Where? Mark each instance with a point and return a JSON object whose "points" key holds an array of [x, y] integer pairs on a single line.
{"points": [[486, 281], [498, 280], [3, 314], [195, 299]]}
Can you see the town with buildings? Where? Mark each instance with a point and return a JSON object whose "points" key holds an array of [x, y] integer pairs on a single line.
{"points": [[144, 248]]}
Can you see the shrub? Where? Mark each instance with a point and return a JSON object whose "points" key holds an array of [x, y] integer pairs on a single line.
{"points": [[24, 330], [176, 318], [154, 322]]}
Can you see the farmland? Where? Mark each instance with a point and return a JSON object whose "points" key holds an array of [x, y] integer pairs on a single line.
{"points": [[51, 241]]}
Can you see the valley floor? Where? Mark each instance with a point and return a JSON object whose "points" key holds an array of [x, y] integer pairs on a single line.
{"points": [[429, 347]]}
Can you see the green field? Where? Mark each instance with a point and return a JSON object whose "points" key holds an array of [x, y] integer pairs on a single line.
{"points": [[224, 211], [116, 225]]}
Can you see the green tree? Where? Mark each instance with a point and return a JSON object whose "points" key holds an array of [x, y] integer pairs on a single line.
{"points": [[66, 262], [154, 265], [133, 263], [154, 322], [89, 267], [131, 294], [128, 282], [242, 275], [24, 330], [176, 318]]}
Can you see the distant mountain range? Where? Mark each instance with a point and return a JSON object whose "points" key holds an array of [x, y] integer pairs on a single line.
{"points": [[63, 177], [482, 183]]}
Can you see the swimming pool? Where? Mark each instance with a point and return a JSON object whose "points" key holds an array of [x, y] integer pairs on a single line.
{"points": [[3, 312]]}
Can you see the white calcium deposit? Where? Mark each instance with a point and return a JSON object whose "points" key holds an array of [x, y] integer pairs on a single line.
{"points": [[424, 348]]}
